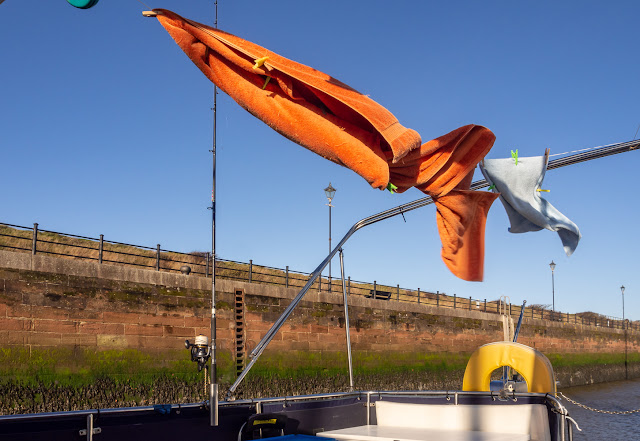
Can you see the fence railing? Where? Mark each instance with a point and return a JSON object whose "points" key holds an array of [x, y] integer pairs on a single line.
{"points": [[38, 241]]}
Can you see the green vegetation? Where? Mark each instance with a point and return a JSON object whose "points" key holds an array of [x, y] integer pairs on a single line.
{"points": [[66, 379], [298, 365], [68, 367], [581, 359]]}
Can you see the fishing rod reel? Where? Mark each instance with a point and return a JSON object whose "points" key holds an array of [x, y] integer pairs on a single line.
{"points": [[200, 350]]}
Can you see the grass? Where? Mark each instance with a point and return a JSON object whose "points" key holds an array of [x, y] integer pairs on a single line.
{"points": [[298, 364], [61, 379], [590, 359], [64, 366]]}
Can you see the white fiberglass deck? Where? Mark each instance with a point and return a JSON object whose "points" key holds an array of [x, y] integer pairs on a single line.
{"points": [[390, 433]]}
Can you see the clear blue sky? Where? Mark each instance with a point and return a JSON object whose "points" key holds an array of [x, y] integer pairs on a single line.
{"points": [[105, 128]]}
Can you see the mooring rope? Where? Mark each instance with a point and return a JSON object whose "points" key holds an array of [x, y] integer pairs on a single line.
{"points": [[608, 412]]}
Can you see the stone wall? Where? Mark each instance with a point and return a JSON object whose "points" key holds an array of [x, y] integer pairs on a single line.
{"points": [[52, 302]]}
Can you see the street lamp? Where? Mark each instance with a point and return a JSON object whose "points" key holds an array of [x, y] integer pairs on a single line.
{"points": [[330, 193], [622, 289], [553, 288]]}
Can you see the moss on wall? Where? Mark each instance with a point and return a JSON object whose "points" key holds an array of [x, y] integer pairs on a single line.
{"points": [[40, 381]]}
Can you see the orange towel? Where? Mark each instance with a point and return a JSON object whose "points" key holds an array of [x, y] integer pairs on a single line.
{"points": [[441, 164], [335, 121], [461, 217], [303, 104], [443, 168]]}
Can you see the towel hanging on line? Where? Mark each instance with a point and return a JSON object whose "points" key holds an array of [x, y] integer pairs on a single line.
{"points": [[519, 188], [338, 123]]}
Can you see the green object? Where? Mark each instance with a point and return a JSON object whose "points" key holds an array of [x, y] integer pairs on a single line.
{"points": [[514, 155], [82, 4], [492, 187], [392, 188]]}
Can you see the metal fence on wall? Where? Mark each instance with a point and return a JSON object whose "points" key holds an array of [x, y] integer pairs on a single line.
{"points": [[38, 241]]}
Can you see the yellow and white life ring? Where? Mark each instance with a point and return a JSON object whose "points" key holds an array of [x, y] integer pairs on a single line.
{"points": [[533, 365]]}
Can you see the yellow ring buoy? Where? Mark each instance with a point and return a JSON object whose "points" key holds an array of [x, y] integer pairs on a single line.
{"points": [[533, 365]]}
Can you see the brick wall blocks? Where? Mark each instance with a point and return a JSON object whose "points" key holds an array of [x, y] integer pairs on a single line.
{"points": [[256, 336], [20, 324], [258, 325], [252, 316], [199, 322], [317, 329], [50, 313], [161, 319], [166, 308], [37, 299], [178, 331], [310, 337], [221, 323], [101, 328], [144, 330], [11, 298], [327, 321], [358, 346], [298, 327], [85, 316], [9, 274], [148, 342], [60, 326], [20, 286], [205, 331], [44, 339], [120, 317], [79, 340], [18, 310], [293, 346], [292, 336], [11, 337], [107, 341], [331, 338], [72, 310]]}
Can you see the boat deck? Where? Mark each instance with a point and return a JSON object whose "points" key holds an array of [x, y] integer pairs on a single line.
{"points": [[387, 433]]}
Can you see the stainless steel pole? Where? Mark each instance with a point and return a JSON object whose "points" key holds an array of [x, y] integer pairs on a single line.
{"points": [[346, 321], [400, 210]]}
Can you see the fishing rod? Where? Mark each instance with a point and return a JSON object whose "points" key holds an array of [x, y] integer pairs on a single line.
{"points": [[213, 374], [591, 154]]}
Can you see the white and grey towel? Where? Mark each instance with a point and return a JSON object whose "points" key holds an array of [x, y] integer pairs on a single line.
{"points": [[527, 211]]}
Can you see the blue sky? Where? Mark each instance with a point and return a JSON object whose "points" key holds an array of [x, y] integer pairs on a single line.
{"points": [[105, 128]]}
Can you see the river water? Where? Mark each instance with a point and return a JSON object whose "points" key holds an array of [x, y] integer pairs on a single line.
{"points": [[615, 396]]}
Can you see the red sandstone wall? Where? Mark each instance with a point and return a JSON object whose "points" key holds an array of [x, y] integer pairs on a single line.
{"points": [[45, 302]]}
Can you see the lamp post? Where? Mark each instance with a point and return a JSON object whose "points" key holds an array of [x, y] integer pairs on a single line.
{"points": [[626, 371], [622, 290], [552, 265], [330, 193]]}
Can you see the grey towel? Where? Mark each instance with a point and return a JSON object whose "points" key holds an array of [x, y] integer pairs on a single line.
{"points": [[527, 211]]}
